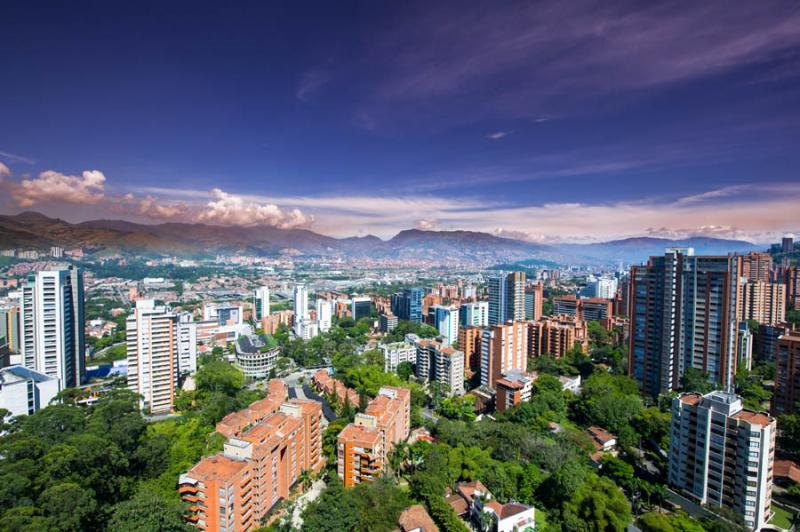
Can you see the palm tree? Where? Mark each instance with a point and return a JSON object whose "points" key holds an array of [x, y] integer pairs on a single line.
{"points": [[396, 458]]}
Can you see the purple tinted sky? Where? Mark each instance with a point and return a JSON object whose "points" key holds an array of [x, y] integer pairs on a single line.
{"points": [[544, 120]]}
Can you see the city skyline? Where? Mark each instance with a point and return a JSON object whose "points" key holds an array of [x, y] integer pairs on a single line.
{"points": [[544, 122]]}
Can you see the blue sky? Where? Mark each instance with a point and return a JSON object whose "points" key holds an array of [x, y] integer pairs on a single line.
{"points": [[541, 120]]}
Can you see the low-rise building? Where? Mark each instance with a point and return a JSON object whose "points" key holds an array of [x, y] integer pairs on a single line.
{"points": [[256, 355], [513, 387], [472, 499], [24, 391]]}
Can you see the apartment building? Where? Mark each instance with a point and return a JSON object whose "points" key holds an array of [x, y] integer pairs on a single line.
{"points": [[469, 341], [364, 445], [587, 309], [787, 374], [534, 301], [396, 353], [235, 489], [334, 387], [474, 314], [446, 322], [513, 387], [506, 298], [722, 454], [503, 348], [763, 302], [51, 325], [232, 425], [556, 336], [438, 362], [791, 278], [152, 338], [757, 267]]}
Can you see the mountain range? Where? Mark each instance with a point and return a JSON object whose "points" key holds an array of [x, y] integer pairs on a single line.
{"points": [[33, 230]]}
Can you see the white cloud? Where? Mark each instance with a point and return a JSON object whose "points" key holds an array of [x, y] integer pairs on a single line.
{"points": [[231, 209], [427, 224], [51, 186], [497, 135], [5, 171]]}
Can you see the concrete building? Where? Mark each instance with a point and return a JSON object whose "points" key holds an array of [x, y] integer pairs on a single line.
{"points": [[766, 344], [787, 244], [446, 321], [791, 278], [469, 341], [261, 303], [438, 362], [513, 387], [24, 391], [683, 315], [745, 346], [152, 338], [364, 445], [236, 489], [556, 335], [187, 344], [9, 328], [763, 302], [388, 322], [506, 298], [300, 309], [534, 301], [504, 348], [223, 314], [588, 309], [396, 353], [255, 355], [757, 267], [474, 314], [787, 374], [324, 314], [722, 454], [52, 329]]}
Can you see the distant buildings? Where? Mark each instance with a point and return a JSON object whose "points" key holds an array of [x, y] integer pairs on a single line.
{"points": [[223, 314], [683, 315], [469, 341], [503, 348], [446, 321], [261, 304], [475, 314], [301, 317], [363, 446], [360, 307], [236, 489], [722, 454], [24, 391], [271, 323], [506, 298], [787, 244], [324, 314], [9, 328], [791, 278], [588, 309], [153, 362], [407, 305], [51, 325], [388, 322]]}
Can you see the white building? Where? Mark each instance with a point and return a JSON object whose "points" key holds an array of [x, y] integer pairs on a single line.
{"points": [[324, 314], [447, 322], [152, 336], [256, 355], [223, 314], [475, 314], [722, 454], [300, 310], [397, 353], [24, 391], [52, 325], [438, 362], [261, 303], [187, 344]]}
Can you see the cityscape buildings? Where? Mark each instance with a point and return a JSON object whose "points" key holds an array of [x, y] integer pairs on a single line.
{"points": [[506, 298], [407, 305], [503, 348], [556, 336], [440, 363], [763, 302], [474, 314], [446, 321], [396, 353], [787, 374], [360, 307], [261, 303], [534, 301]]}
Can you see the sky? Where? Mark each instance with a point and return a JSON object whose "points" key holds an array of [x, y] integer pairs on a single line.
{"points": [[547, 121]]}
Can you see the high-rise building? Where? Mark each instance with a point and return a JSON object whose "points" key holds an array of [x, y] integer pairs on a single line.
{"points": [[556, 336], [153, 359], [360, 307], [441, 363], [587, 309], [363, 446], [261, 303], [766, 342], [745, 346], [446, 321], [503, 348], [604, 287], [223, 314], [791, 278], [534, 301], [236, 489], [474, 314], [683, 315], [469, 341], [396, 353], [787, 244], [324, 314], [787, 374], [757, 266], [301, 317], [407, 305], [722, 454], [9, 328], [506, 298], [763, 302], [388, 322], [52, 325], [187, 344]]}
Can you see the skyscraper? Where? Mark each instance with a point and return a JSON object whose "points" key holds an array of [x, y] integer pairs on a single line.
{"points": [[52, 325], [787, 244], [153, 355], [446, 321], [683, 315], [474, 314], [787, 374], [721, 454], [261, 303], [324, 314], [763, 302], [300, 308], [534, 301], [757, 266], [187, 344], [407, 305], [504, 348], [506, 298]]}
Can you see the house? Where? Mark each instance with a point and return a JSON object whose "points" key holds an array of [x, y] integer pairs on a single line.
{"points": [[603, 442], [472, 500], [416, 519]]}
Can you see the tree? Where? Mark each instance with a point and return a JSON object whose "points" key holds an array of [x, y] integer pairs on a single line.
{"points": [[597, 505], [335, 510], [147, 512], [695, 380], [219, 376], [405, 370], [69, 506], [458, 408]]}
